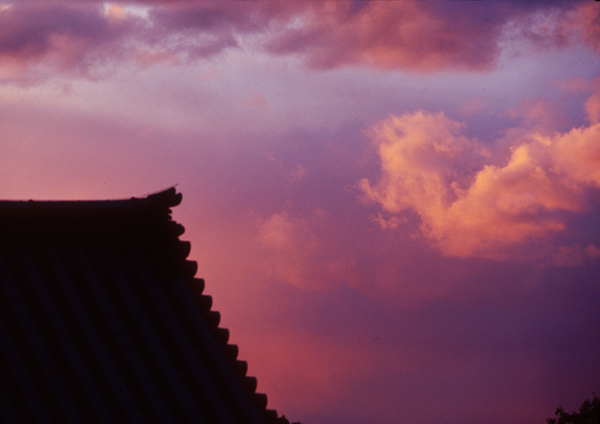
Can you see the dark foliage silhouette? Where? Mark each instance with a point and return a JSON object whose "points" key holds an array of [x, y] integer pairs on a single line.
{"points": [[589, 413]]}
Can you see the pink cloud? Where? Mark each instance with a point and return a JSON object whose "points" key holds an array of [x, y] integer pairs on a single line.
{"points": [[300, 255], [592, 108], [490, 209], [574, 85], [574, 255], [587, 18], [539, 113], [258, 101], [69, 38], [558, 25], [476, 106], [388, 35], [79, 38]]}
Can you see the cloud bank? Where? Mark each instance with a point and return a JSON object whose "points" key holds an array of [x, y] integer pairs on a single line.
{"points": [[86, 38]]}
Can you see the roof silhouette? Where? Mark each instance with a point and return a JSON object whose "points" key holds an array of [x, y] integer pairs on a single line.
{"points": [[102, 320]]}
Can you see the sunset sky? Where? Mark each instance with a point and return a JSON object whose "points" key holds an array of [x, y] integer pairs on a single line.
{"points": [[395, 205]]}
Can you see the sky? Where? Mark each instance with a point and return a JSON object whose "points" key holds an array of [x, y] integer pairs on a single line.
{"points": [[395, 205]]}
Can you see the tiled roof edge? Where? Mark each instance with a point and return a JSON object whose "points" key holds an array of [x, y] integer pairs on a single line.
{"points": [[203, 303], [166, 198]]}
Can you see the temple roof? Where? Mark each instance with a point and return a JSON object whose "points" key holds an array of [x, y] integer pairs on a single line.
{"points": [[102, 320]]}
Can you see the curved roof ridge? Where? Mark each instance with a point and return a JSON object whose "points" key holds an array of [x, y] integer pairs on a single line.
{"points": [[165, 198]]}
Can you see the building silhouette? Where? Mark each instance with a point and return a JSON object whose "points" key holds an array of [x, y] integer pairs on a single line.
{"points": [[103, 321]]}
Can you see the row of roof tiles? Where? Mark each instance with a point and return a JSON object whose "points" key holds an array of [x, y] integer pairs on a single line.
{"points": [[109, 324]]}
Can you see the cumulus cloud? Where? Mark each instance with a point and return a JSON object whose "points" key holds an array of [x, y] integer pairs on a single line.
{"points": [[471, 208], [577, 154]]}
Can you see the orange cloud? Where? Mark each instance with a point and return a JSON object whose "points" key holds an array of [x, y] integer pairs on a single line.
{"points": [[577, 155], [472, 209], [115, 11]]}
